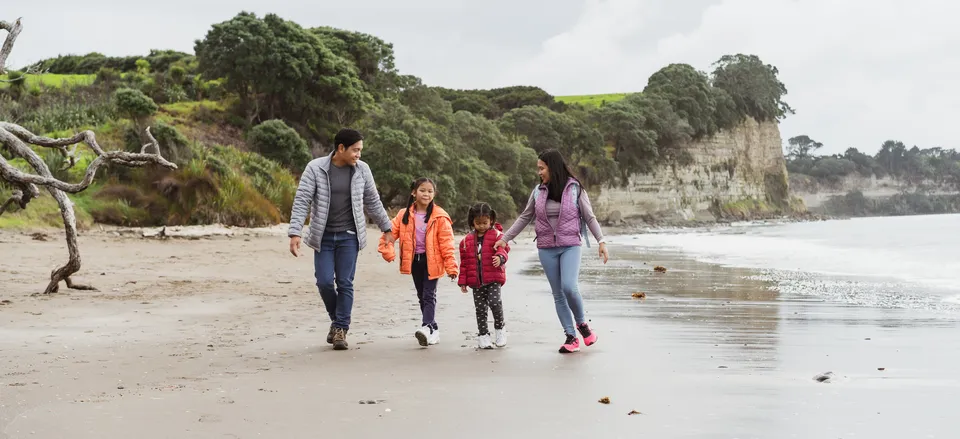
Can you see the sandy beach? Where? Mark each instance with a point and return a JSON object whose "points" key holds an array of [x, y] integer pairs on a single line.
{"points": [[224, 337]]}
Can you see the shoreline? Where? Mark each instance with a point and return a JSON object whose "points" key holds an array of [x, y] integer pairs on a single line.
{"points": [[223, 337]]}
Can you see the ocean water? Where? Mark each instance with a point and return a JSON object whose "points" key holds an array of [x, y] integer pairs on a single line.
{"points": [[889, 262]]}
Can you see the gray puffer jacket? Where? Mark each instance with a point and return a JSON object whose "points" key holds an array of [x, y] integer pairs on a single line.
{"points": [[314, 190]]}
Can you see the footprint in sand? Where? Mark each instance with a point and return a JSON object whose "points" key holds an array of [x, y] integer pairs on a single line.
{"points": [[210, 418]]}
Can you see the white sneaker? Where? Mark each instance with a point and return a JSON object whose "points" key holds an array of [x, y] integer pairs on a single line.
{"points": [[484, 342], [434, 337], [423, 335], [501, 338]]}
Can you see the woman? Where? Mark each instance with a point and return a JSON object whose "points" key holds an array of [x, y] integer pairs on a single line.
{"points": [[561, 208]]}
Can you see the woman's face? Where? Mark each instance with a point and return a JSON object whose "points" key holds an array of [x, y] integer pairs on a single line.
{"points": [[543, 171]]}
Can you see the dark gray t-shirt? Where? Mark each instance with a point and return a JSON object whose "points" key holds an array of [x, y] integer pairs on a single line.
{"points": [[340, 218]]}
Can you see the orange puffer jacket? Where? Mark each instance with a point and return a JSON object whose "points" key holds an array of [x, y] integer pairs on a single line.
{"points": [[441, 249]]}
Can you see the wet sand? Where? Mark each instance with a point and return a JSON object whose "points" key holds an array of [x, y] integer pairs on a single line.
{"points": [[225, 337]]}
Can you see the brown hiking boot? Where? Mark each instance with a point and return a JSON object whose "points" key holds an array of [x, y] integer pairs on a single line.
{"points": [[339, 339], [330, 335]]}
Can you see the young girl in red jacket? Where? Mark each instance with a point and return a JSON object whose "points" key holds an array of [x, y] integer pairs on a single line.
{"points": [[482, 269]]}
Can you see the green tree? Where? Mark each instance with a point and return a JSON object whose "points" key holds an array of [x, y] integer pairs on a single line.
{"points": [[753, 85], [632, 142], [581, 144], [277, 141], [508, 187], [401, 148], [802, 146], [689, 93], [673, 131], [280, 70], [372, 57]]}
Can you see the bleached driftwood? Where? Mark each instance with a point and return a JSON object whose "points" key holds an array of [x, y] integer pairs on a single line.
{"points": [[16, 140]]}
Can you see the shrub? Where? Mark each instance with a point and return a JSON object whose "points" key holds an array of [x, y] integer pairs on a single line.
{"points": [[134, 104], [275, 140]]}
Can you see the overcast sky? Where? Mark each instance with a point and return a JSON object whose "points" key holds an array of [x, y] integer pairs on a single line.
{"points": [[858, 71]]}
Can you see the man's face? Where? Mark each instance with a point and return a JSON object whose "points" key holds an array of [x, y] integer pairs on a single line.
{"points": [[350, 154]]}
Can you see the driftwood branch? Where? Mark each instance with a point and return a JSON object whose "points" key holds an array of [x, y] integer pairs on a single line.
{"points": [[18, 137], [17, 141], [13, 30]]}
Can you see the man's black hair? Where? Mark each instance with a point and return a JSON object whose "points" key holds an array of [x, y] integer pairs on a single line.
{"points": [[346, 137]]}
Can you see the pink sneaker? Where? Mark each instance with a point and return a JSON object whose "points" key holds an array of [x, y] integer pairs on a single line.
{"points": [[571, 345], [589, 337]]}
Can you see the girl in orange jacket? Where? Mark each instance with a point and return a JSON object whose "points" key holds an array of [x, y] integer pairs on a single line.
{"points": [[427, 251]]}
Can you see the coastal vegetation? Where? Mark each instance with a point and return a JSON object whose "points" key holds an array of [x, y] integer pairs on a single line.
{"points": [[260, 96], [929, 178]]}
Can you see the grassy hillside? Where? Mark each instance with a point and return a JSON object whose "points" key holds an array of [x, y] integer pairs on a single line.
{"points": [[592, 100], [218, 180], [52, 80]]}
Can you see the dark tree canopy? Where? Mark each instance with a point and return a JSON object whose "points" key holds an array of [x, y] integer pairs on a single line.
{"points": [[280, 70], [753, 85], [690, 95]]}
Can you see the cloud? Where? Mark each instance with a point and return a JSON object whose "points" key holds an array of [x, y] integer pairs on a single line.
{"points": [[858, 73]]}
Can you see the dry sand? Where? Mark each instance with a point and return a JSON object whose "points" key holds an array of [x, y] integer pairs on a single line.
{"points": [[224, 337]]}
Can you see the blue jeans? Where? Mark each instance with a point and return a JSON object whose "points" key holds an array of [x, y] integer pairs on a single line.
{"points": [[562, 267], [334, 267]]}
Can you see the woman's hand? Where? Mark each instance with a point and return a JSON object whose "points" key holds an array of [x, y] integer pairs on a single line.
{"points": [[604, 254], [499, 244]]}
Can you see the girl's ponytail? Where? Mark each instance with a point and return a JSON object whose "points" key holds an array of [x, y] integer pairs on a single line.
{"points": [[406, 213]]}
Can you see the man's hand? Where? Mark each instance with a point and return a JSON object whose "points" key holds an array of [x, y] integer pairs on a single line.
{"points": [[295, 246], [389, 237], [496, 261], [604, 255], [463, 289]]}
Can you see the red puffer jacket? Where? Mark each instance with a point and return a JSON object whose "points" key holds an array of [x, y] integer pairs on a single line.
{"points": [[468, 259]]}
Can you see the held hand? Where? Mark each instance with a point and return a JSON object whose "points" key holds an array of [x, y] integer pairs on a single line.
{"points": [[463, 289], [389, 237], [499, 244], [604, 254], [295, 246], [496, 261], [452, 276]]}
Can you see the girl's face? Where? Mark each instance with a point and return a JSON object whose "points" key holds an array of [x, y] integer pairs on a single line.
{"points": [[543, 171], [424, 194], [481, 224]]}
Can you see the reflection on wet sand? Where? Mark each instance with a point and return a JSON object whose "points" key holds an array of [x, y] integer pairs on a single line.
{"points": [[728, 307]]}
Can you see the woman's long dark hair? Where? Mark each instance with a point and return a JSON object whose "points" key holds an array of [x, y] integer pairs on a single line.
{"points": [[559, 174], [411, 199]]}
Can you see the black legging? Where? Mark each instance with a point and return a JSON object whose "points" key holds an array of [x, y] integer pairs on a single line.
{"points": [[488, 296]]}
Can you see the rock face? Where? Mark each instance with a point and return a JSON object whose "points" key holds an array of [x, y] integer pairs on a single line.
{"points": [[734, 165], [815, 194]]}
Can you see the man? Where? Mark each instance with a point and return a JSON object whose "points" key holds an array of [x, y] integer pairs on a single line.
{"points": [[340, 188]]}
